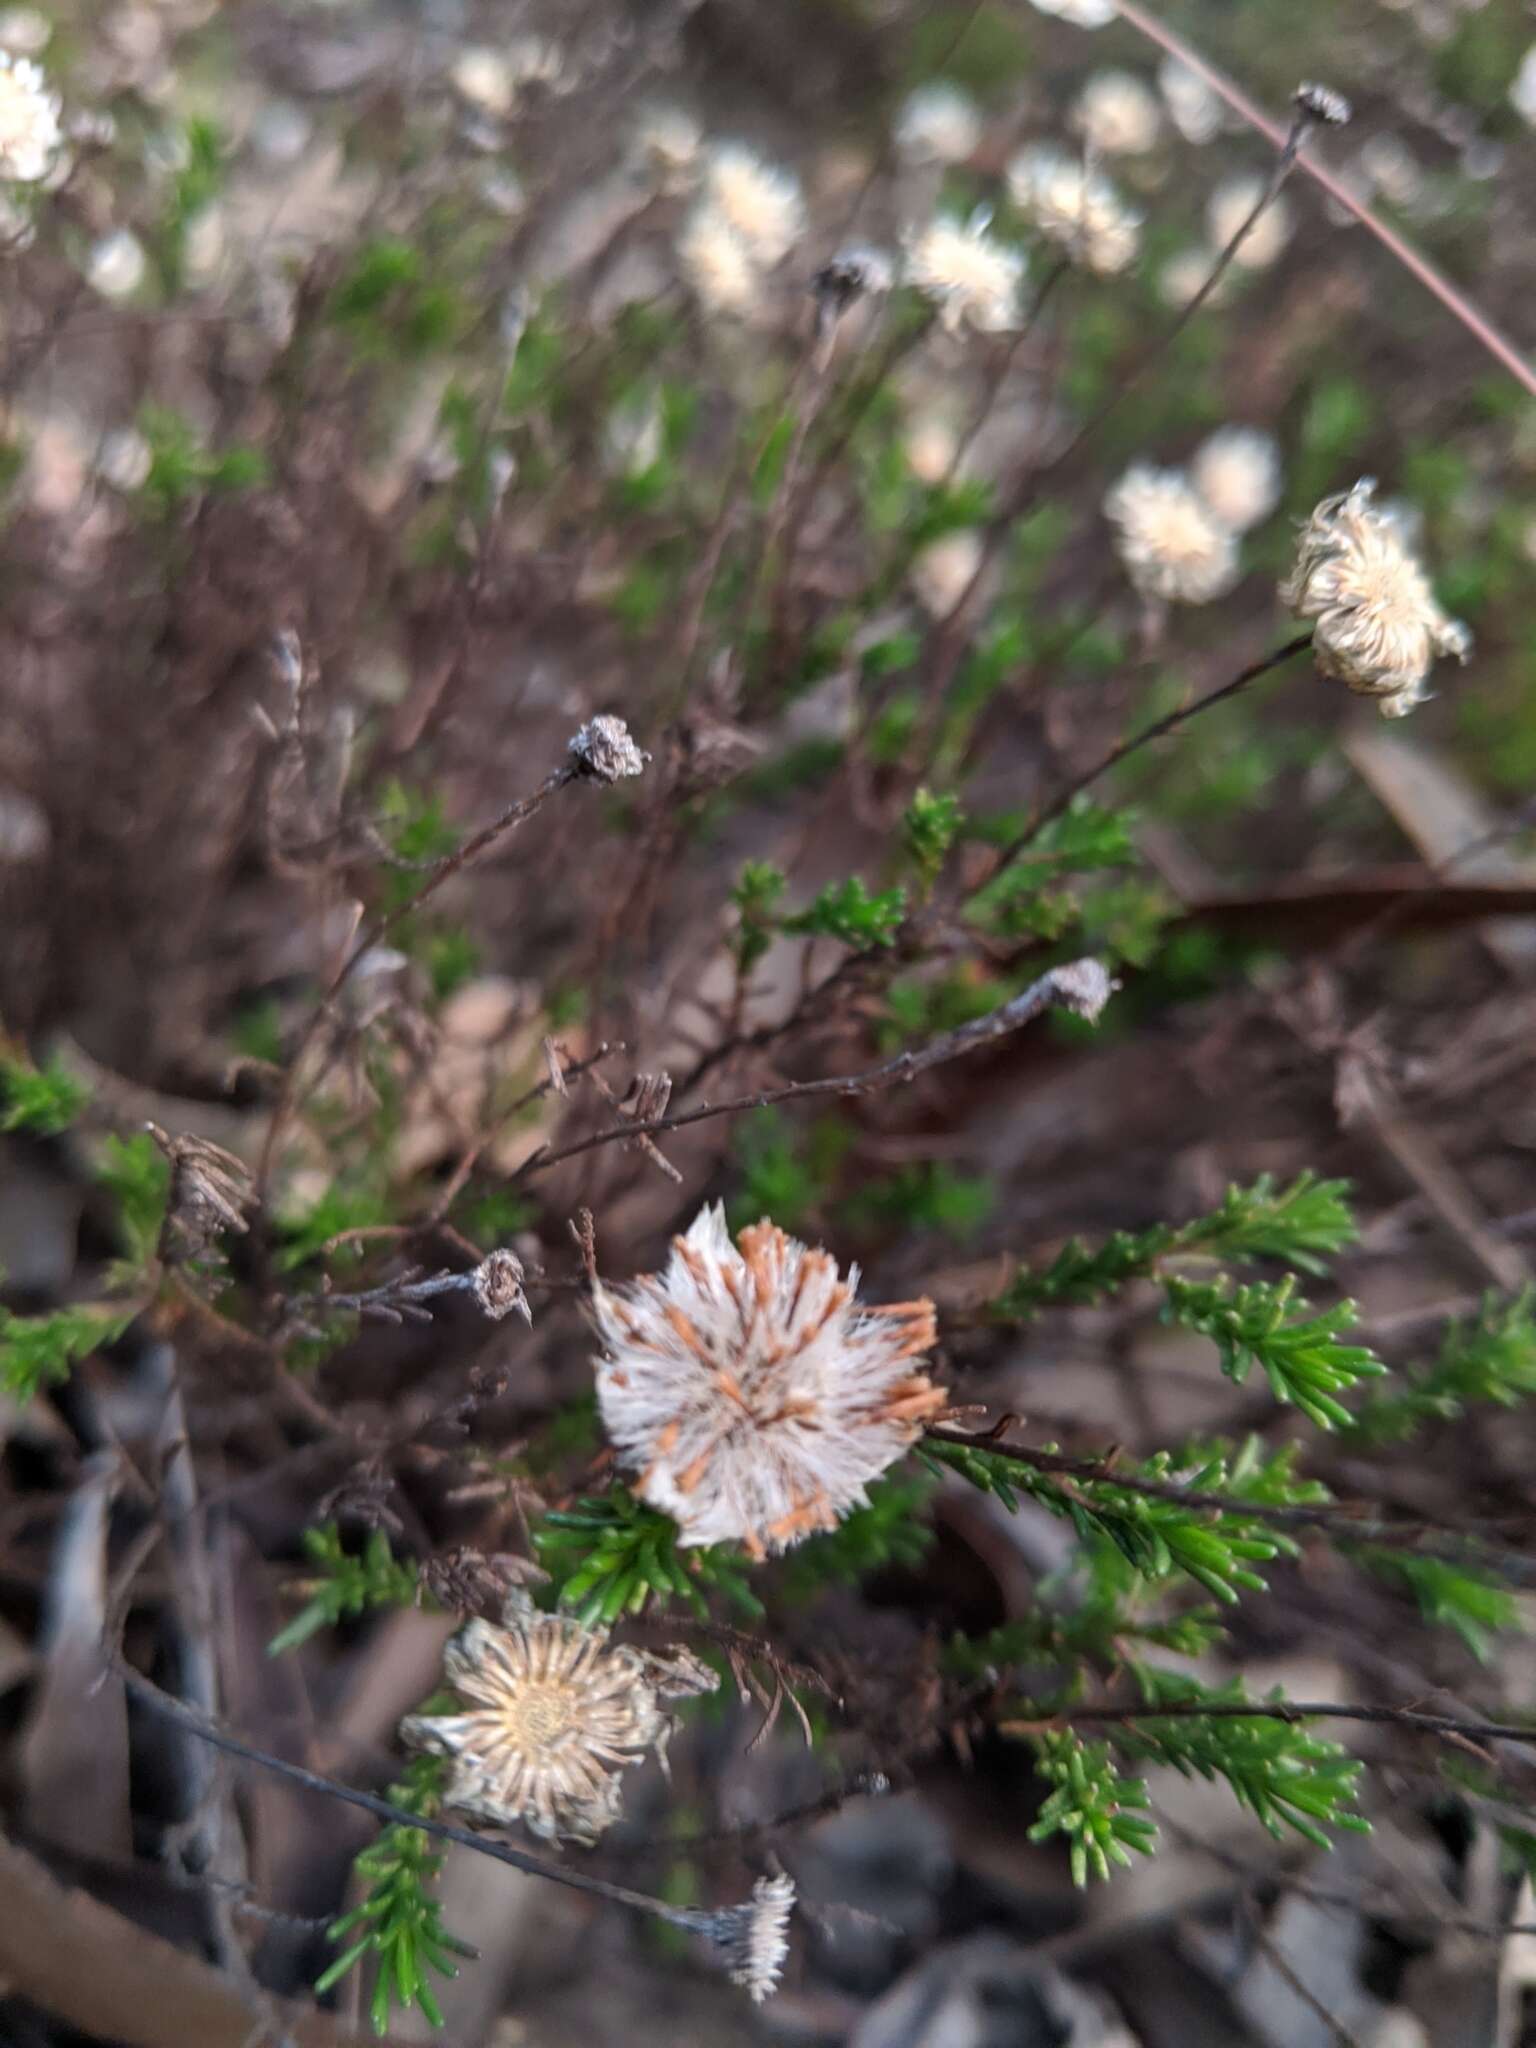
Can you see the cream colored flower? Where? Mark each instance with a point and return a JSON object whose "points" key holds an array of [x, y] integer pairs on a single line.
{"points": [[1075, 206], [1379, 626], [1081, 13], [1117, 114], [1171, 543], [941, 573], [973, 277], [718, 263], [553, 1713], [750, 1392], [939, 123], [29, 121], [669, 142], [1193, 107], [931, 446], [758, 201], [1237, 472], [484, 78], [1183, 277], [1230, 205], [117, 264]]}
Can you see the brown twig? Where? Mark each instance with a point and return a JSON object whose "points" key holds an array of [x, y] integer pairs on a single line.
{"points": [[1450, 1727]]}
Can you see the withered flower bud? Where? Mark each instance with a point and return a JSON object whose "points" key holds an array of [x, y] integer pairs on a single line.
{"points": [[604, 750], [498, 1286]]}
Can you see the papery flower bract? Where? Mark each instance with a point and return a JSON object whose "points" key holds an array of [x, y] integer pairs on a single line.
{"points": [[940, 123], [757, 200], [1237, 472], [719, 264], [1230, 205], [749, 1390], [29, 121], [1076, 207], [553, 1713], [1117, 114], [1081, 13], [1379, 624], [973, 277], [1172, 544]]}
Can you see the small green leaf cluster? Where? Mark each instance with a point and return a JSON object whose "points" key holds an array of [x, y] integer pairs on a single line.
{"points": [[1451, 1595], [847, 911], [612, 1555], [38, 1351], [1287, 1777], [1215, 1547], [756, 896], [137, 1174], [1488, 1358], [1300, 1225], [347, 1584], [1032, 898], [1271, 1326], [181, 468], [930, 827], [399, 1922], [44, 1100], [1100, 1811]]}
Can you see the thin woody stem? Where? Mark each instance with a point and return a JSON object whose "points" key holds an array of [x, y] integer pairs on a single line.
{"points": [[1452, 1727]]}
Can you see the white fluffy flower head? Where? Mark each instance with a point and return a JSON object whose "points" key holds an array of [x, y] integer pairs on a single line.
{"points": [[1194, 108], [751, 1392], [1237, 472], [1117, 114], [29, 121], [552, 1713], [1076, 206], [1081, 13], [1379, 625], [942, 571], [718, 263], [939, 123], [973, 277], [760, 202], [668, 142], [1171, 543]]}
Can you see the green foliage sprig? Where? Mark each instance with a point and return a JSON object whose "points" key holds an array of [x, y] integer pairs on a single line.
{"points": [[401, 1922], [1301, 1226], [1271, 1326], [1100, 1811], [756, 897], [44, 1100], [1449, 1594], [612, 1555], [348, 1583], [38, 1351], [846, 911], [1487, 1358]]}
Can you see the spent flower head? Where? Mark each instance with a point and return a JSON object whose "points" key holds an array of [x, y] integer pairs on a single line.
{"points": [[553, 1713], [29, 121], [1322, 104], [749, 1389], [605, 751], [759, 201], [1171, 543], [939, 123], [754, 1939], [972, 276], [1237, 472], [1379, 625], [1075, 206], [854, 273], [1117, 114]]}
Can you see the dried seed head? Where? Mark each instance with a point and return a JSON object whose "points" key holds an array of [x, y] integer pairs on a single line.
{"points": [[467, 1581], [852, 274], [1379, 627], [1084, 987], [1322, 103], [209, 1193], [604, 750], [973, 277], [754, 1939], [554, 1712], [498, 1286], [751, 1392], [1172, 544], [757, 200]]}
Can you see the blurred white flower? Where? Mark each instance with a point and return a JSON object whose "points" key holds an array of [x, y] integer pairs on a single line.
{"points": [[1379, 625], [718, 264], [939, 123], [941, 573], [1117, 114], [973, 277], [24, 31], [502, 191], [204, 247], [124, 458], [1075, 206], [29, 121], [1230, 205], [1081, 13], [632, 434], [1182, 276], [484, 78], [1171, 543], [1392, 168], [1193, 108], [759, 201], [668, 143], [1522, 93], [1237, 472], [117, 264], [930, 446], [535, 60], [751, 1391]]}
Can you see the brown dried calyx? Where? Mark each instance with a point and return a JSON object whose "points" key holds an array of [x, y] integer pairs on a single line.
{"points": [[209, 1193]]}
